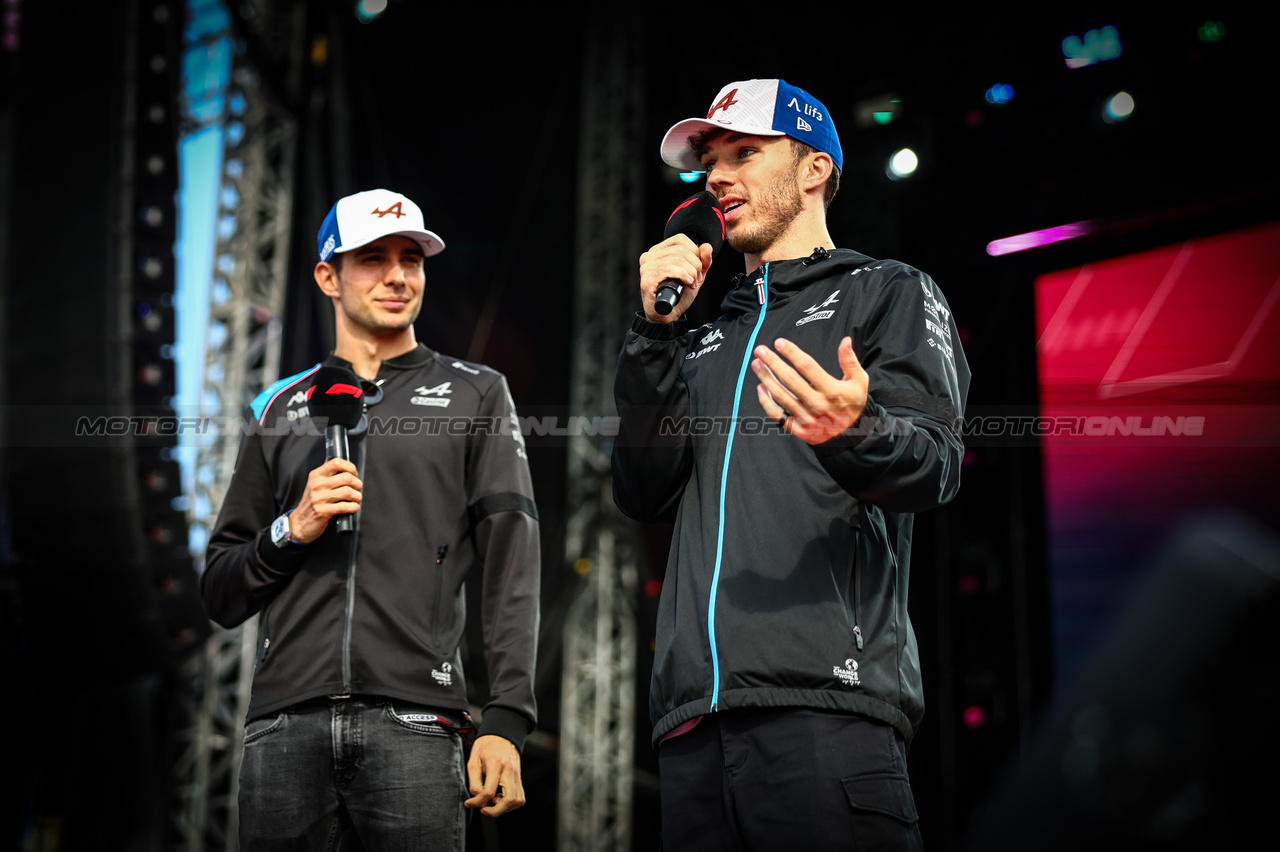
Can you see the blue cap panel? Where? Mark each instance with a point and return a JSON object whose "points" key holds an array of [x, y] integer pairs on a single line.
{"points": [[329, 237], [802, 116]]}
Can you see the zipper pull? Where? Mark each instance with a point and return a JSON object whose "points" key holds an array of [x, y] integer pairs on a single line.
{"points": [[440, 554], [857, 636]]}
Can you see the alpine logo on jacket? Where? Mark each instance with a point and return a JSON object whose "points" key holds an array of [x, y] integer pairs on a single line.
{"points": [[816, 313], [435, 397]]}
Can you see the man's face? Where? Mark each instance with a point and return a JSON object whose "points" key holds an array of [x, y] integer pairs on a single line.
{"points": [[380, 285], [756, 180]]}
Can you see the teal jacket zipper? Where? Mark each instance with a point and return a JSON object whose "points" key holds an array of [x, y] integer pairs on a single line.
{"points": [[763, 289]]}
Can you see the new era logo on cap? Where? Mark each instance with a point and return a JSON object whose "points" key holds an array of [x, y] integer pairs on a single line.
{"points": [[757, 108], [360, 219]]}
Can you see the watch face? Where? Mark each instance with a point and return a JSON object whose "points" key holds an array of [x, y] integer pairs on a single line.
{"points": [[280, 530]]}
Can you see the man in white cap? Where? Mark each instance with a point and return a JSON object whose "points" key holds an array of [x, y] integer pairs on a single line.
{"points": [[358, 721], [786, 682]]}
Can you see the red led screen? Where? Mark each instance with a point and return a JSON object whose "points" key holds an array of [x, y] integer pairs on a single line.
{"points": [[1161, 374]]}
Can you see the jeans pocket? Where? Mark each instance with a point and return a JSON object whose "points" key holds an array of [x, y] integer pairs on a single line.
{"points": [[258, 728], [423, 720]]}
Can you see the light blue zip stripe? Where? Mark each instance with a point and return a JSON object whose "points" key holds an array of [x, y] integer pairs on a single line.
{"points": [[763, 290]]}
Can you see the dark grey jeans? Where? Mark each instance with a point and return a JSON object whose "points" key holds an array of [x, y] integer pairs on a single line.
{"points": [[376, 767]]}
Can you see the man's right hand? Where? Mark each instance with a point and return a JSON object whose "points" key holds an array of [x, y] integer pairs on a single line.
{"points": [[332, 489], [675, 257]]}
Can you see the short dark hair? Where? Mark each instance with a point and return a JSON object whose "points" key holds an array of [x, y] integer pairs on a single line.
{"points": [[799, 150], [335, 260]]}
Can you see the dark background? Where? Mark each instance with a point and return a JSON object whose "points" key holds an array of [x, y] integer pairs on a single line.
{"points": [[474, 114]]}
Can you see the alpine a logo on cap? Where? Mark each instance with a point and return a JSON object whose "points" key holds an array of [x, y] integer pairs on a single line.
{"points": [[724, 103], [394, 209]]}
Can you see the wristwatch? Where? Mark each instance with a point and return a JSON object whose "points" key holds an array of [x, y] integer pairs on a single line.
{"points": [[281, 534]]}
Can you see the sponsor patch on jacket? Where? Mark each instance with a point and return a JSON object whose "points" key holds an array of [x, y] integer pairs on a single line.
{"points": [[847, 675], [437, 397], [814, 312]]}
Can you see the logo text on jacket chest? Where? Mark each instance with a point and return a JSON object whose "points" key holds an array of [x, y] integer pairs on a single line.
{"points": [[816, 312], [847, 675], [437, 397], [707, 344]]}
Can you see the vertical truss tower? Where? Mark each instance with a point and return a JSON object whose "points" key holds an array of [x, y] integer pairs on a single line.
{"points": [[598, 682], [242, 357]]}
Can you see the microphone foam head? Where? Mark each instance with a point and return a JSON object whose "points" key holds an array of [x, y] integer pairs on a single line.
{"points": [[700, 218], [336, 394]]}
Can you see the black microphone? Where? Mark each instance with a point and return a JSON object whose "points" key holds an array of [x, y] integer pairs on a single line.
{"points": [[699, 218], [337, 395]]}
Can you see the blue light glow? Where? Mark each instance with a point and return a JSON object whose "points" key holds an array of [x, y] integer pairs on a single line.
{"points": [[1000, 93]]}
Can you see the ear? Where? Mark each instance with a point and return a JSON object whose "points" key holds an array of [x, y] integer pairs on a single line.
{"points": [[327, 279], [814, 170]]}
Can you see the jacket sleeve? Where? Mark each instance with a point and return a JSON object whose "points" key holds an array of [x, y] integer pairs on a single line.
{"points": [[904, 454], [651, 465], [504, 520], [243, 569]]}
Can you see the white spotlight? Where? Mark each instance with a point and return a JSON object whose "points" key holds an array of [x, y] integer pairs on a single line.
{"points": [[1119, 107], [903, 164]]}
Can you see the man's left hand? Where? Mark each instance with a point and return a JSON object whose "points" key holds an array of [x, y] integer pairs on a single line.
{"points": [[494, 776], [811, 404]]}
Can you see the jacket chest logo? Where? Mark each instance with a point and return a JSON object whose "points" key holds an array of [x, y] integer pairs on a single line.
{"points": [[707, 344], [436, 397], [817, 312]]}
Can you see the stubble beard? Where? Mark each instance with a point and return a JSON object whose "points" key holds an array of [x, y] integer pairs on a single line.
{"points": [[775, 210], [363, 316]]}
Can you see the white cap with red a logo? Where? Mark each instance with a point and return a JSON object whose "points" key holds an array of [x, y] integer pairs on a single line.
{"points": [[360, 219]]}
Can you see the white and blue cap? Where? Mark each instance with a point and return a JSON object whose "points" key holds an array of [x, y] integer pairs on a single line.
{"points": [[359, 219], [757, 108]]}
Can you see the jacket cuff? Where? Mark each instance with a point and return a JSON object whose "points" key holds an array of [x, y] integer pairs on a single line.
{"points": [[283, 560], [508, 724], [870, 420], [645, 327]]}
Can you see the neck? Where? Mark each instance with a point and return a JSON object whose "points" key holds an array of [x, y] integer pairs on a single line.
{"points": [[367, 352], [807, 232]]}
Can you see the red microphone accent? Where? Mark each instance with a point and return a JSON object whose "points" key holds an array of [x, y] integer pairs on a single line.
{"points": [[351, 390]]}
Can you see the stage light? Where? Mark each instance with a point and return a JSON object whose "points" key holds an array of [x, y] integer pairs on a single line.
{"points": [[903, 164], [367, 10], [1118, 108], [880, 110], [974, 717], [1035, 239], [1000, 93], [692, 177], [1212, 32], [1097, 46]]}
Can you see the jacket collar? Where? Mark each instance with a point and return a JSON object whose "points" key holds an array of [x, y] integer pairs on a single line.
{"points": [[412, 358], [790, 276]]}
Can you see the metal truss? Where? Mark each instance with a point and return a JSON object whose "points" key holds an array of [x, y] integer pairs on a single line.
{"points": [[598, 688], [242, 357]]}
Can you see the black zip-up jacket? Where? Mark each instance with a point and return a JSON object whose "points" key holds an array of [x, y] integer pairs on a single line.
{"points": [[787, 578], [381, 611]]}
